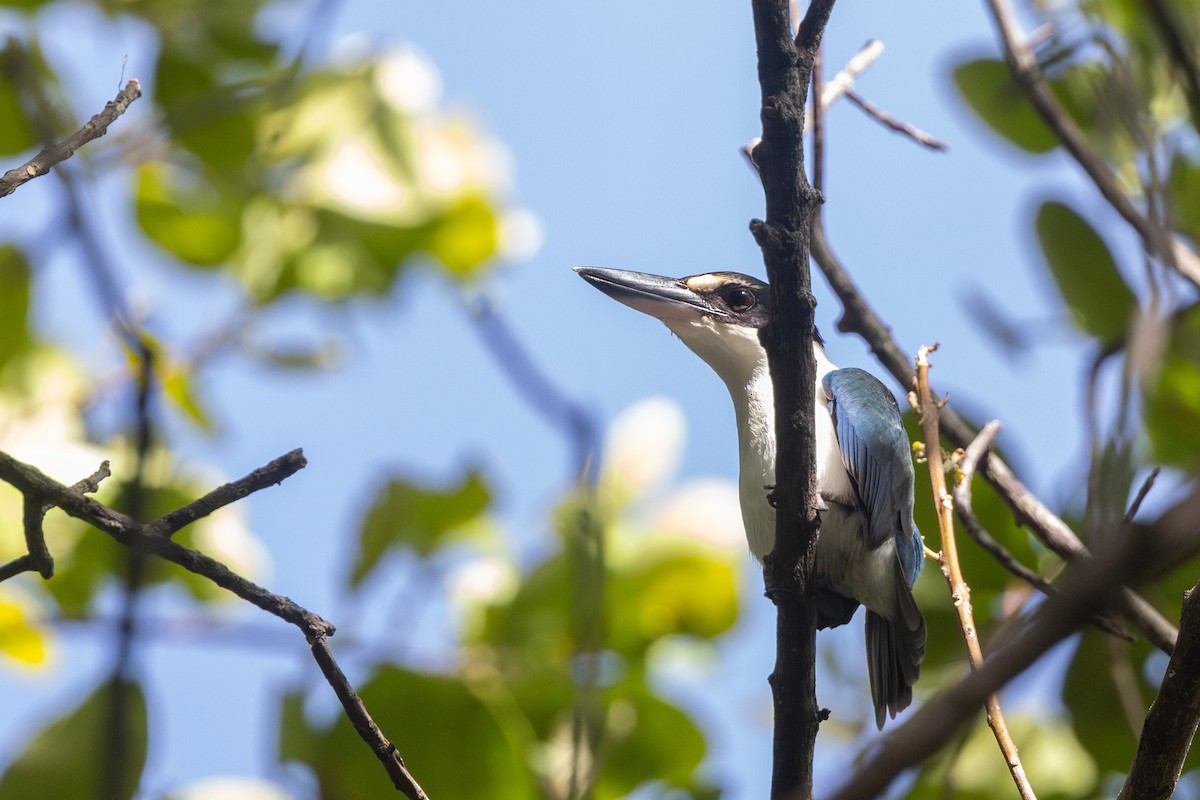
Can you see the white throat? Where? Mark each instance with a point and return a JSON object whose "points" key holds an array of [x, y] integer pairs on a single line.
{"points": [[737, 356]]}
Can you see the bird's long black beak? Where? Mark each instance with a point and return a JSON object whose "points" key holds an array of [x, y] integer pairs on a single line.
{"points": [[656, 295]]}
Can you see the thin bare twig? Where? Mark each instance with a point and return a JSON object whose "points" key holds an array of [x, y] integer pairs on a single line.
{"points": [[899, 126], [154, 539], [54, 154], [1147, 485], [963, 500], [271, 474], [38, 558], [831, 90], [1160, 242], [960, 591]]}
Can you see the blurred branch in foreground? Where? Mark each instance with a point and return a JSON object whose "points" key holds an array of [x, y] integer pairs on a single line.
{"points": [[57, 153], [154, 539]]}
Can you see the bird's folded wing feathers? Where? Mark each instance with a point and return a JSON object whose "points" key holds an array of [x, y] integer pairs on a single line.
{"points": [[874, 449]]}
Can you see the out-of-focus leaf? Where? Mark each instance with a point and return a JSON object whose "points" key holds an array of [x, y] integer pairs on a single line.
{"points": [[535, 628], [987, 86], [195, 223], [179, 387], [16, 134], [422, 519], [206, 116], [67, 758], [21, 640], [646, 739], [1172, 401], [685, 594], [14, 301], [1056, 764], [1100, 301], [1184, 185], [435, 722], [1091, 694], [465, 237]]}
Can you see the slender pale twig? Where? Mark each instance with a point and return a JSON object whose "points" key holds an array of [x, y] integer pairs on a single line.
{"points": [[960, 591], [832, 89], [54, 154], [899, 126]]}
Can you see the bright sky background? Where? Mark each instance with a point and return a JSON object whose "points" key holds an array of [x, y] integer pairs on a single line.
{"points": [[623, 121]]}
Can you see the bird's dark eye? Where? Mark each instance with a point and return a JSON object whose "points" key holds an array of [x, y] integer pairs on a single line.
{"points": [[740, 300]]}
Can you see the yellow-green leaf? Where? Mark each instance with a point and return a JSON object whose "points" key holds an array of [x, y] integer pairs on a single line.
{"points": [[1100, 301]]}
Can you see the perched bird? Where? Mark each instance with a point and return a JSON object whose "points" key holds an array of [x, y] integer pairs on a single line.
{"points": [[869, 550]]}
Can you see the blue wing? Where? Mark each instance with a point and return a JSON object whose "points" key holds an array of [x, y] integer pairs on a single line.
{"points": [[875, 450]]}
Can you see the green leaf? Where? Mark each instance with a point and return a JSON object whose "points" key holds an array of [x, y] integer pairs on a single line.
{"points": [[16, 133], [1184, 185], [180, 389], [1091, 694], [1172, 401], [208, 118], [465, 238], [647, 739], [405, 515], [684, 594], [457, 744], [69, 757], [1100, 301], [14, 302], [988, 87], [195, 222]]}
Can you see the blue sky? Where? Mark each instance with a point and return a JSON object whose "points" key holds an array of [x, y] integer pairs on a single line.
{"points": [[623, 120]]}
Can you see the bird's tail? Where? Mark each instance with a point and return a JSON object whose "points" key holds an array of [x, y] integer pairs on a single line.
{"points": [[895, 650]]}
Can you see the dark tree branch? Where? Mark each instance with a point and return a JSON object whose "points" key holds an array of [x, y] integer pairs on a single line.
{"points": [[784, 72], [54, 154], [38, 558], [1171, 722], [154, 539], [859, 318], [1141, 556], [1157, 241], [271, 474]]}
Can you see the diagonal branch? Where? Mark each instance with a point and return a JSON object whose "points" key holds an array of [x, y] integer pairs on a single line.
{"points": [[1157, 240], [963, 500], [154, 539], [57, 153], [1088, 588], [271, 474]]}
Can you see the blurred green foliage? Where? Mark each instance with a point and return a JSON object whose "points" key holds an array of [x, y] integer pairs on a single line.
{"points": [[331, 181]]}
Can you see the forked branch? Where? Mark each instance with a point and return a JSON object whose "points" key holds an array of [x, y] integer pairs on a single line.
{"points": [[42, 493]]}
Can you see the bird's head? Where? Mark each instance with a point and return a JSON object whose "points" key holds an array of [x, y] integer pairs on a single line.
{"points": [[717, 314]]}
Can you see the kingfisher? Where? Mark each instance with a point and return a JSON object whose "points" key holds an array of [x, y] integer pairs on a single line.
{"points": [[870, 551]]}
